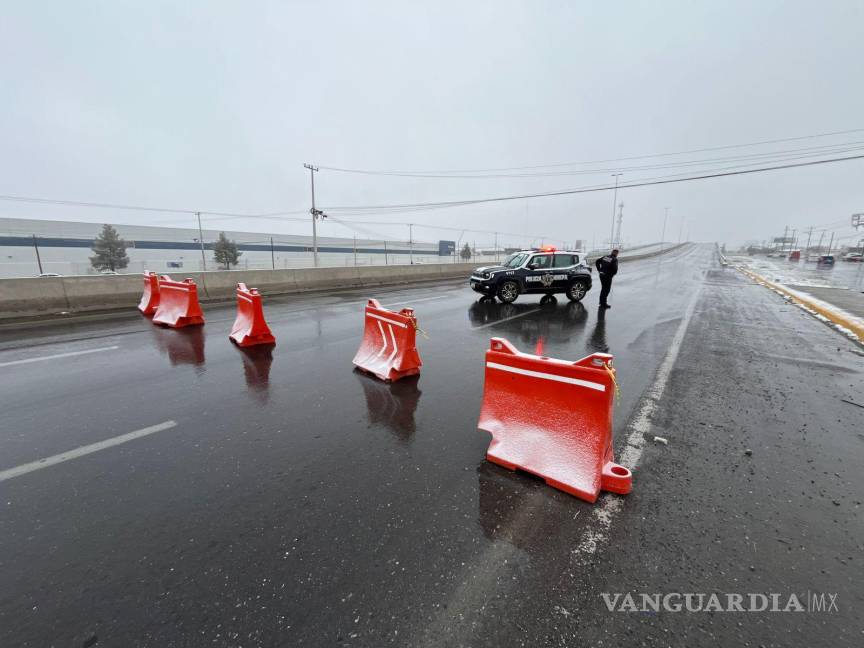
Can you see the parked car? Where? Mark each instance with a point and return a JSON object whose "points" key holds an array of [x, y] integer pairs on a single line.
{"points": [[854, 257], [826, 260], [50, 274], [795, 255]]}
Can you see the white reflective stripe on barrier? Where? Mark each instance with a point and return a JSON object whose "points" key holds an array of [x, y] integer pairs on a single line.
{"points": [[395, 348], [389, 321], [383, 337], [245, 298], [546, 376], [164, 287]]}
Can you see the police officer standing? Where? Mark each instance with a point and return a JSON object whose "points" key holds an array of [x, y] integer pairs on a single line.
{"points": [[607, 266]]}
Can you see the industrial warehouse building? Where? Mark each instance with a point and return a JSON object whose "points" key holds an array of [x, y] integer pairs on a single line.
{"points": [[30, 247]]}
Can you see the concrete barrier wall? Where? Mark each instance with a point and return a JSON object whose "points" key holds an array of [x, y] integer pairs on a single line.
{"points": [[34, 296]]}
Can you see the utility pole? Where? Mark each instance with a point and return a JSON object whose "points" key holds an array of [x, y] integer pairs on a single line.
{"points": [[201, 242], [355, 249], [272, 254], [819, 247], [411, 243], [785, 234], [316, 213], [385, 253], [497, 256], [38, 258], [663, 233], [807, 251], [793, 245], [831, 244], [614, 200]]}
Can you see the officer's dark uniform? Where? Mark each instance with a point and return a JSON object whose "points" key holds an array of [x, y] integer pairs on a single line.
{"points": [[607, 266]]}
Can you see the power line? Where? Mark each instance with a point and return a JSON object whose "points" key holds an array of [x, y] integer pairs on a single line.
{"points": [[568, 192], [767, 157], [622, 159], [164, 210]]}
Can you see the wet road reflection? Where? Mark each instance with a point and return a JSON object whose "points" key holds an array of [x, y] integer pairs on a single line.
{"points": [[182, 346], [597, 341], [391, 404], [526, 324], [256, 368], [519, 508]]}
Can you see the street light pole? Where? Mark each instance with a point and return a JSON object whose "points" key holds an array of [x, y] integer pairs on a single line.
{"points": [[411, 243], [201, 242], [315, 214], [614, 200], [38, 258], [663, 233]]}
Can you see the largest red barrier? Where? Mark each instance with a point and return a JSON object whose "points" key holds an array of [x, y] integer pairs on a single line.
{"points": [[178, 303], [249, 327], [552, 418], [150, 299], [389, 346]]}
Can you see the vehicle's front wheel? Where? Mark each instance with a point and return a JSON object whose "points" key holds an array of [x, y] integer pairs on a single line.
{"points": [[577, 291], [508, 292]]}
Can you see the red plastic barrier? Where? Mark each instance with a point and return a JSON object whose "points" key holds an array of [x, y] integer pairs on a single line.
{"points": [[250, 328], [389, 346], [552, 418], [178, 303], [150, 299]]}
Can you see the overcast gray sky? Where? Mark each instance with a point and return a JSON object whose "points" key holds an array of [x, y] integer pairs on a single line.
{"points": [[216, 105]]}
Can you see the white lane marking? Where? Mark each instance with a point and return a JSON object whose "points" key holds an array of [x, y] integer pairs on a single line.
{"points": [[389, 321], [56, 356], [408, 302], [395, 348], [383, 337], [23, 469], [608, 505], [506, 319], [547, 376]]}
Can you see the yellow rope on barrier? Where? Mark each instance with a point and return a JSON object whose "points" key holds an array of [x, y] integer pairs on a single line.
{"points": [[611, 371]]}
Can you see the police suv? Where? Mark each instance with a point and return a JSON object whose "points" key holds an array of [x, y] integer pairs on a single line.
{"points": [[544, 271]]}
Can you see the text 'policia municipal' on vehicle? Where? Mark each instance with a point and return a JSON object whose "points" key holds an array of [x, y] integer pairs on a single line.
{"points": [[544, 271]]}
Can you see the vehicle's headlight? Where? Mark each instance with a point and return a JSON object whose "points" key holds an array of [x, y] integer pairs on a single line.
{"points": [[486, 275]]}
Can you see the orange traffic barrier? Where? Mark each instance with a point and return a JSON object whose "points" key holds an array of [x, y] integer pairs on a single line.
{"points": [[249, 327], [178, 303], [389, 346], [150, 299], [553, 419]]}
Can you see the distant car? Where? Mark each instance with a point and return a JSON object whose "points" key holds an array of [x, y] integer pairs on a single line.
{"points": [[543, 271], [776, 255], [50, 274], [109, 272], [795, 255], [826, 260], [854, 257]]}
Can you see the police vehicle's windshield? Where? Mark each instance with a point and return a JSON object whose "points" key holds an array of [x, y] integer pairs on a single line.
{"points": [[515, 260]]}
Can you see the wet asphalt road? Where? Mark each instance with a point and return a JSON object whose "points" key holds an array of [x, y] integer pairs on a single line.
{"points": [[297, 502]]}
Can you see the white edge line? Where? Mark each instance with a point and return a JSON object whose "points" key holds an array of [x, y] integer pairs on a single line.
{"points": [[57, 356], [547, 376], [408, 302], [608, 505], [23, 469]]}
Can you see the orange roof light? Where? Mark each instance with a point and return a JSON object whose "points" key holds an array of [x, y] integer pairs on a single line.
{"points": [[548, 248]]}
